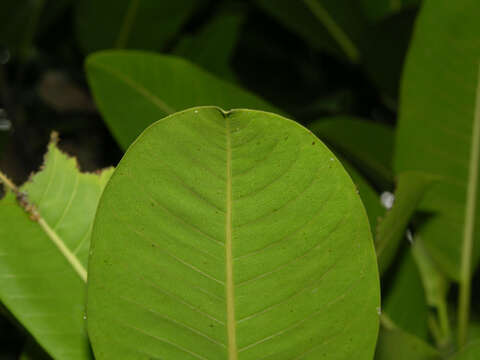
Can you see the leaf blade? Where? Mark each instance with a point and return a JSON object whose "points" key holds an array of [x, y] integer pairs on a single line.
{"points": [[185, 220]]}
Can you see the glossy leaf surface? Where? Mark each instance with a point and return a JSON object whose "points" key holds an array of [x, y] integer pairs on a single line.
{"points": [[231, 235]]}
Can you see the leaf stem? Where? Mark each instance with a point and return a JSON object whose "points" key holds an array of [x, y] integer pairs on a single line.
{"points": [[469, 227]]}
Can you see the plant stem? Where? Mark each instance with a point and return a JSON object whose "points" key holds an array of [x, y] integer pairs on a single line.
{"points": [[467, 245]]}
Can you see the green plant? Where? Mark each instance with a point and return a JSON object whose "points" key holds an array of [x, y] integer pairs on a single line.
{"points": [[244, 221]]}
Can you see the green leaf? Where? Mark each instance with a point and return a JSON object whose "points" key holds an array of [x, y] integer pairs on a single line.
{"points": [[438, 129], [227, 235], [411, 187], [134, 89], [367, 144], [212, 47], [138, 24], [44, 244], [470, 352], [395, 344]]}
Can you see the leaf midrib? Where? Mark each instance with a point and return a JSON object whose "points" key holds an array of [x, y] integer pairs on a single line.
{"points": [[231, 326]]}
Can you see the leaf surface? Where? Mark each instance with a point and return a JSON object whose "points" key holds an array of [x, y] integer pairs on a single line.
{"points": [[43, 255], [231, 235], [438, 129], [134, 89]]}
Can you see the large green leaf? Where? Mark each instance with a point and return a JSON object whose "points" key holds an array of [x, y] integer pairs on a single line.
{"points": [[231, 235], [367, 144], [44, 242], [134, 89], [138, 24], [437, 131]]}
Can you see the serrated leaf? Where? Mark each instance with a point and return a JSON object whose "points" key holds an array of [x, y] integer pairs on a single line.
{"points": [[45, 237], [134, 89], [231, 235]]}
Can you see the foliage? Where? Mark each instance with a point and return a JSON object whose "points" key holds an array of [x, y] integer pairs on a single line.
{"points": [[227, 230]]}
